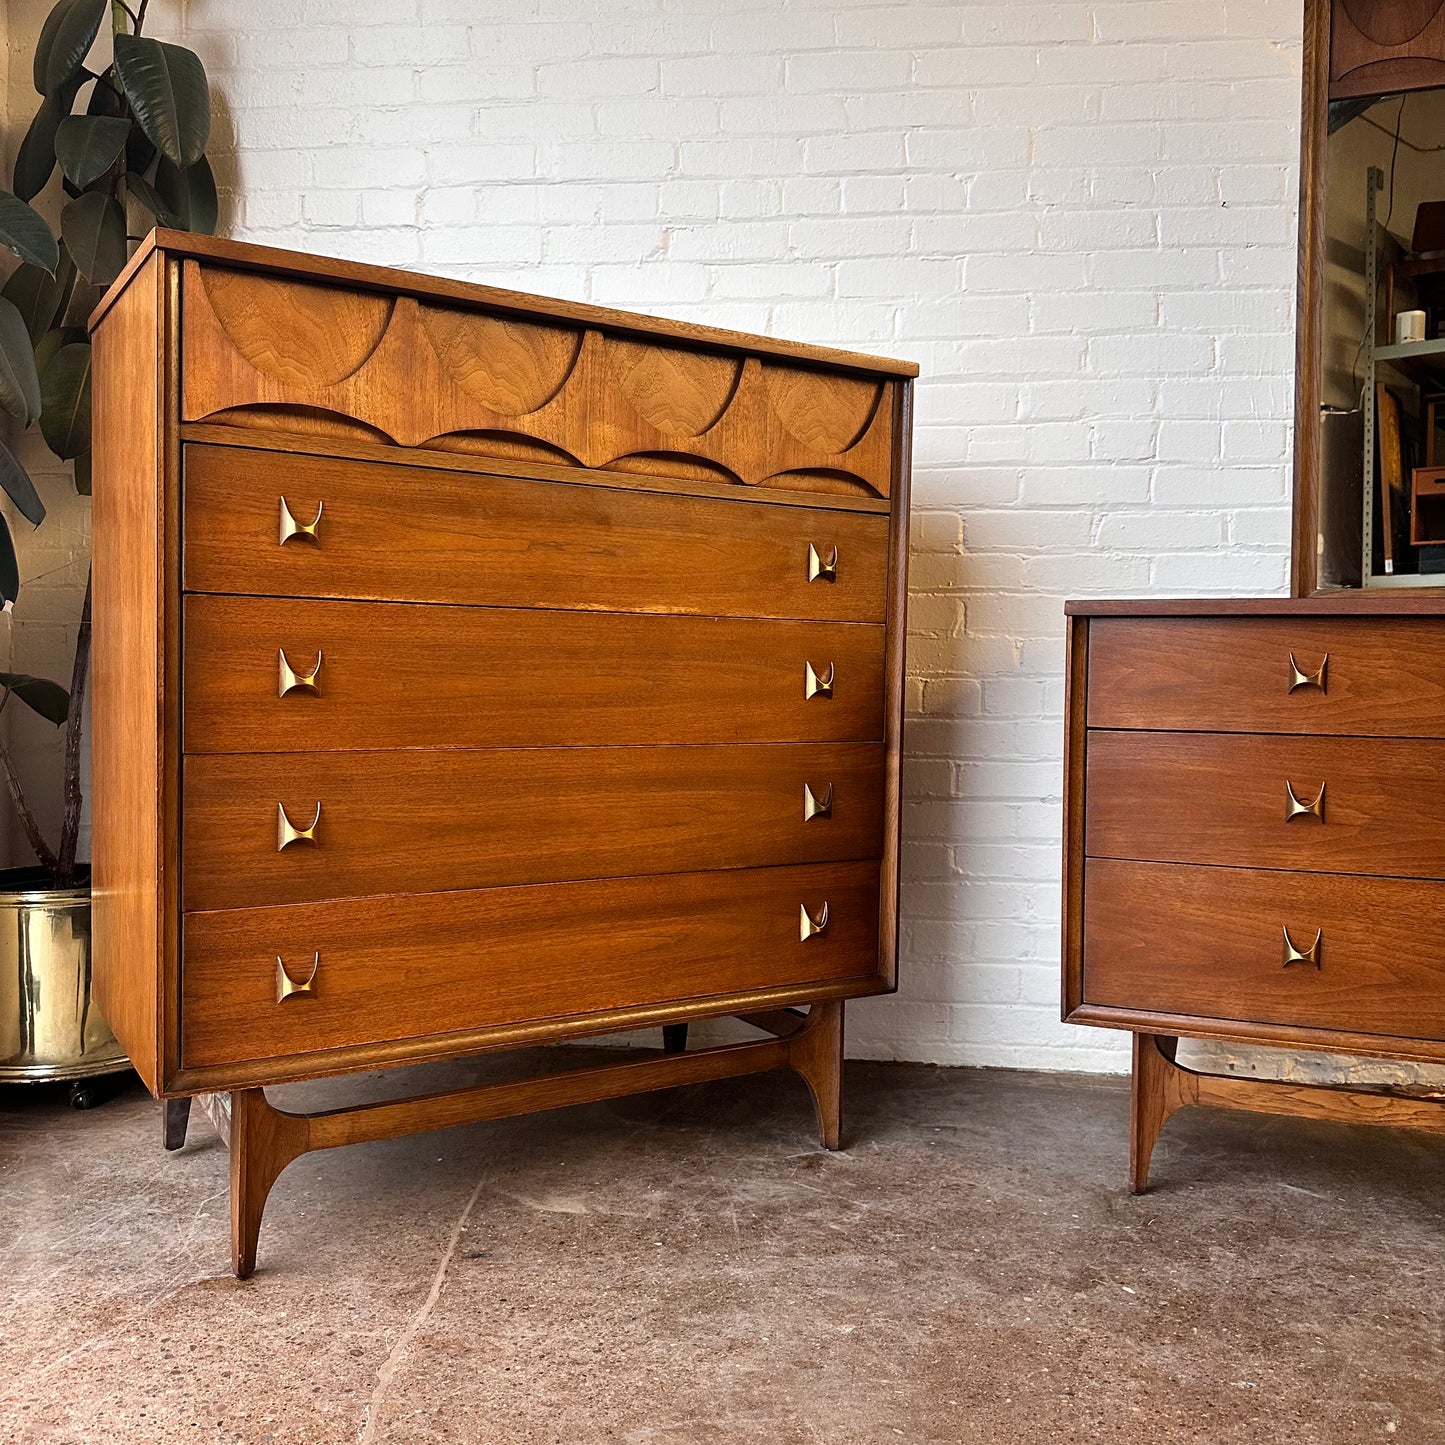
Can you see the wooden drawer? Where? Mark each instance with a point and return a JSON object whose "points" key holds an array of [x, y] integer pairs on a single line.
{"points": [[1209, 942], [400, 822], [407, 967], [401, 675], [1223, 799], [1234, 674], [419, 534]]}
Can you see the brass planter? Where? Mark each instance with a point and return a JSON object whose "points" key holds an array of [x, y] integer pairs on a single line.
{"points": [[49, 1026]]}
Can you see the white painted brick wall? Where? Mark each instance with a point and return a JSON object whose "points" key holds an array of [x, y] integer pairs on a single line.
{"points": [[1078, 218]]}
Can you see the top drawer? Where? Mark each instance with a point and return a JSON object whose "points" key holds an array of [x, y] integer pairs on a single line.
{"points": [[386, 366], [1340, 675], [421, 534]]}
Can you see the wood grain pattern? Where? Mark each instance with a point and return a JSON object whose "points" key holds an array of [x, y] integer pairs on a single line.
{"points": [[426, 376], [428, 535], [1382, 46], [269, 260], [425, 821], [402, 675], [1309, 297], [128, 787], [404, 967], [1208, 942], [1076, 678], [1234, 675], [1220, 799]]}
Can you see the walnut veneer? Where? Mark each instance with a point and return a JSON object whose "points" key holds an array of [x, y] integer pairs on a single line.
{"points": [[1253, 795], [475, 670]]}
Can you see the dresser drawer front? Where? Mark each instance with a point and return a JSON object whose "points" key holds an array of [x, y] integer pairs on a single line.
{"points": [[409, 967], [418, 534], [1346, 805], [401, 822], [401, 675], [1210, 943], [1235, 674]]}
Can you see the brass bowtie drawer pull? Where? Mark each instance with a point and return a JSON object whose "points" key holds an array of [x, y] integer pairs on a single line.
{"points": [[820, 570], [1308, 955], [305, 531], [1295, 808], [1317, 678], [286, 986], [809, 926], [293, 681], [816, 684], [816, 806], [288, 833]]}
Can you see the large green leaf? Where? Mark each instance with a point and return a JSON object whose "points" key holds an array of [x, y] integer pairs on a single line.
{"points": [[19, 383], [26, 234], [89, 145], [9, 567], [19, 488], [65, 40], [35, 159], [47, 698], [167, 89], [189, 195], [36, 296], [94, 230], [147, 195], [82, 474], [65, 401]]}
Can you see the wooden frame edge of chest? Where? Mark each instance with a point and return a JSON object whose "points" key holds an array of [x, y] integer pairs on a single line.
{"points": [[1159, 1084], [138, 518]]}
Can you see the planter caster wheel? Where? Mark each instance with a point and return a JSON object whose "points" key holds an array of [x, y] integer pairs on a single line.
{"points": [[91, 1093]]}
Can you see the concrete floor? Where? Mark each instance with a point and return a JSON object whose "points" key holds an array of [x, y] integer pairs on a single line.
{"points": [[688, 1269]]}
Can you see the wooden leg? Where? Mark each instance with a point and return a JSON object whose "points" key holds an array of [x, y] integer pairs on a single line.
{"points": [[177, 1116], [816, 1052], [674, 1038], [263, 1142], [1153, 1102]]}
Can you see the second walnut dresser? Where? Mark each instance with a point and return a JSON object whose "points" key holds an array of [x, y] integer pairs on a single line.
{"points": [[474, 670]]}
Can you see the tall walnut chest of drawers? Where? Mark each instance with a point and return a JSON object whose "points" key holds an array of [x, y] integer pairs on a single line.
{"points": [[472, 671], [1254, 850]]}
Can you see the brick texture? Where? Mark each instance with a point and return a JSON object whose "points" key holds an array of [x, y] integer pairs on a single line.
{"points": [[1077, 218]]}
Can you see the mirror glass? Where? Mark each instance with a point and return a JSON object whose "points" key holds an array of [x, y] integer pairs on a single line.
{"points": [[1382, 418]]}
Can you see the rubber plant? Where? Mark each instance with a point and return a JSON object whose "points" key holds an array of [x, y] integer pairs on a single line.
{"points": [[132, 131]]}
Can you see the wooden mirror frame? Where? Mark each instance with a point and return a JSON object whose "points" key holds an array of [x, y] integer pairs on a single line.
{"points": [[1366, 66]]}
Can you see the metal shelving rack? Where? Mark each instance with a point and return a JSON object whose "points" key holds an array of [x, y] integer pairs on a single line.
{"points": [[1399, 355]]}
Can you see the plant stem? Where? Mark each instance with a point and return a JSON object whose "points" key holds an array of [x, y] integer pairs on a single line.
{"points": [[41, 848], [70, 830]]}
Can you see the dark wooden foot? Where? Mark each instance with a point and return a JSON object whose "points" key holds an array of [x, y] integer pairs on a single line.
{"points": [[674, 1038], [176, 1119], [816, 1052], [263, 1142]]}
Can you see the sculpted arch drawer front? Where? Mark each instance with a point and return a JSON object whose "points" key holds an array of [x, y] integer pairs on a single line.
{"points": [[264, 828], [1331, 675], [1218, 943], [371, 970], [273, 675], [376, 365], [1249, 800], [303, 526]]}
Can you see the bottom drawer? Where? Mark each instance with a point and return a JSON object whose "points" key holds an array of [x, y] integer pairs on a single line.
{"points": [[433, 963], [1210, 942]]}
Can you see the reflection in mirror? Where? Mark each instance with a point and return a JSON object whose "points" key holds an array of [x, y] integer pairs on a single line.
{"points": [[1382, 453]]}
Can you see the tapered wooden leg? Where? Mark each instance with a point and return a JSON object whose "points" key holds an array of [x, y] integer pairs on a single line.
{"points": [[177, 1117], [816, 1052], [674, 1038], [263, 1142], [1154, 1100]]}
